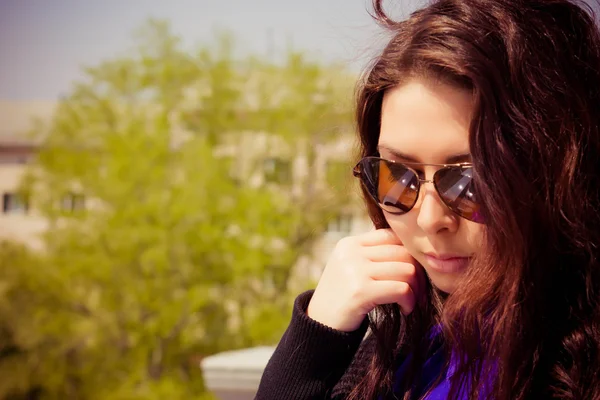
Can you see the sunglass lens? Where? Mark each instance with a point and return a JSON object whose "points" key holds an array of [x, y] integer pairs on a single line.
{"points": [[456, 188], [392, 185]]}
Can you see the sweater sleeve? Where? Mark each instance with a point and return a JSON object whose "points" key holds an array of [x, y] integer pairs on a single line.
{"points": [[310, 358]]}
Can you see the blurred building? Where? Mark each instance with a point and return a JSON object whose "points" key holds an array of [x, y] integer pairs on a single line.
{"points": [[273, 163], [19, 220], [232, 375]]}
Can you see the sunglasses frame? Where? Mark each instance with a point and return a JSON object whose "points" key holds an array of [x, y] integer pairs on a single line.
{"points": [[356, 171]]}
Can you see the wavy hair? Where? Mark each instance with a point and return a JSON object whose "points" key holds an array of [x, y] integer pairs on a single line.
{"points": [[527, 317]]}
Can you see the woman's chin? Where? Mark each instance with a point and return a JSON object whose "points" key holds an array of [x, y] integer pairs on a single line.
{"points": [[445, 282]]}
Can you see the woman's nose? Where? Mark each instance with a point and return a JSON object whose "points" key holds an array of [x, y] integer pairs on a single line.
{"points": [[434, 216]]}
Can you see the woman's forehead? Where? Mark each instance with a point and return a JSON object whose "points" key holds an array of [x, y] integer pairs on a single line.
{"points": [[428, 122]]}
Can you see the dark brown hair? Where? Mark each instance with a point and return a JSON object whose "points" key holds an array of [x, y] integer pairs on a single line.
{"points": [[527, 316]]}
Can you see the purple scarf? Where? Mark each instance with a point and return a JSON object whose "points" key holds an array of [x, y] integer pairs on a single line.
{"points": [[432, 369]]}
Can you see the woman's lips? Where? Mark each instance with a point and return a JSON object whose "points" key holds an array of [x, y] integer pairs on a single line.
{"points": [[447, 263]]}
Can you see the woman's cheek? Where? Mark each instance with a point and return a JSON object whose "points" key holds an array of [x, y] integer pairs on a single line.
{"points": [[400, 227]]}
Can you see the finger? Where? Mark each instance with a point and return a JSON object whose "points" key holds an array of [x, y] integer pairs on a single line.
{"points": [[386, 252], [378, 236], [390, 292], [396, 271]]}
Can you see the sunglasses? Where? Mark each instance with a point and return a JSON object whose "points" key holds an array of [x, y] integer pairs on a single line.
{"points": [[395, 186]]}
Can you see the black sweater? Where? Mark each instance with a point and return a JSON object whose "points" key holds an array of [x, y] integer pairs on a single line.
{"points": [[313, 361]]}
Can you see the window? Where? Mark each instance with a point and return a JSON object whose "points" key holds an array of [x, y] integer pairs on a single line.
{"points": [[277, 170], [13, 159], [15, 203], [341, 223], [72, 202]]}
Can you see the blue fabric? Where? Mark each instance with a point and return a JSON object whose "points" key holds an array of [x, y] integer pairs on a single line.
{"points": [[433, 368]]}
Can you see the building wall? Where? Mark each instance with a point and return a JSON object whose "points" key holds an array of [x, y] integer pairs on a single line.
{"points": [[22, 226], [16, 151]]}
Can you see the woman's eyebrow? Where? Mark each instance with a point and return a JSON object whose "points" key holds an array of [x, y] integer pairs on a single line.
{"points": [[397, 154], [454, 159]]}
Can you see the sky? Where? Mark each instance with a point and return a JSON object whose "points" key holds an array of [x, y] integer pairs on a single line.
{"points": [[45, 43]]}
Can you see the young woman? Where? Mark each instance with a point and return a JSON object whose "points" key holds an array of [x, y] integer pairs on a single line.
{"points": [[480, 133]]}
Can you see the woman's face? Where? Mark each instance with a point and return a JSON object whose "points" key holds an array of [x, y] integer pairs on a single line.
{"points": [[428, 122]]}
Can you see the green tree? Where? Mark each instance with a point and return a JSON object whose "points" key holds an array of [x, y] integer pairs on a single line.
{"points": [[181, 251]]}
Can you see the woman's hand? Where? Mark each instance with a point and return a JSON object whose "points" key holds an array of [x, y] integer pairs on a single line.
{"points": [[365, 271]]}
